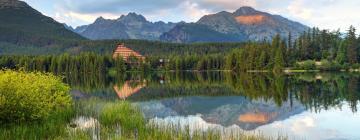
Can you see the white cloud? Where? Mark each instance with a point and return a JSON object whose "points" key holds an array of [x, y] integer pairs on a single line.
{"points": [[193, 10], [298, 9], [76, 19], [228, 5]]}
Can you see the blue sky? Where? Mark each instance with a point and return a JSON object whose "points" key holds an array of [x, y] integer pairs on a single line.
{"points": [[326, 14]]}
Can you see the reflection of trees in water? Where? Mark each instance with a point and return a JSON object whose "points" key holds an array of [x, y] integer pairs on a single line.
{"points": [[95, 82], [316, 91], [104, 85], [321, 94]]}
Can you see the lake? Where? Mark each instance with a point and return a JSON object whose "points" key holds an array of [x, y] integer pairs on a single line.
{"points": [[311, 106]]}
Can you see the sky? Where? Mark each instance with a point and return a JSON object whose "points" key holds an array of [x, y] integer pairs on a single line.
{"points": [[325, 14]]}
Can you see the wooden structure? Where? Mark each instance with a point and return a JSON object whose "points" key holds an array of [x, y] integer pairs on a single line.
{"points": [[126, 53]]}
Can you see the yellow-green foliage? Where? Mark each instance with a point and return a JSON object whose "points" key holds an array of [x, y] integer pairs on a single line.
{"points": [[31, 96]]}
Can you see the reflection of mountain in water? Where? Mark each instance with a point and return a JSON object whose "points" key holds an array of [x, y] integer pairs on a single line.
{"points": [[224, 110]]}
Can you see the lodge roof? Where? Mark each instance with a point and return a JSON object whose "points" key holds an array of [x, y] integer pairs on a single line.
{"points": [[125, 52]]}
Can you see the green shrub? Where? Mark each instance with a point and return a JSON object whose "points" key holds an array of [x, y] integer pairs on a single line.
{"points": [[306, 65], [355, 66], [336, 66], [329, 66], [325, 65], [31, 96]]}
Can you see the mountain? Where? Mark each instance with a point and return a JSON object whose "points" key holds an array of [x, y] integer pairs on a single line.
{"points": [[69, 27], [80, 29], [131, 26], [21, 24], [191, 32], [244, 24]]}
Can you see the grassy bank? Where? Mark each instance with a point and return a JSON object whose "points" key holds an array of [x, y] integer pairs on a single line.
{"points": [[100, 119], [289, 70], [121, 120]]}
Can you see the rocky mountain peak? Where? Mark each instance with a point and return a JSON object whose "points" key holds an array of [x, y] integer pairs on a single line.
{"points": [[12, 4], [246, 23], [133, 17], [100, 20], [246, 10], [130, 26]]}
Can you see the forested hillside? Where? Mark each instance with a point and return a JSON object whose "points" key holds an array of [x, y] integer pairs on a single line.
{"points": [[22, 25]]}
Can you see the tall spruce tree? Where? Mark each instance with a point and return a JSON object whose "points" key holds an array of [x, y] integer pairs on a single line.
{"points": [[279, 60], [341, 53], [352, 46], [275, 44]]}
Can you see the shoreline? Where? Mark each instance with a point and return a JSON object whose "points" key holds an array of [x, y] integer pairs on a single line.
{"points": [[255, 71]]}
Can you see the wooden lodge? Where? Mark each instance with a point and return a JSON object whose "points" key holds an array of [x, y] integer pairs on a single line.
{"points": [[126, 53]]}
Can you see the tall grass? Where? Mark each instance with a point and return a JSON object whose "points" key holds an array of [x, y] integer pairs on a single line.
{"points": [[54, 127], [121, 120], [118, 120]]}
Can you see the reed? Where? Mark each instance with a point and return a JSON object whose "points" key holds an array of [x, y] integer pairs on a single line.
{"points": [[118, 120]]}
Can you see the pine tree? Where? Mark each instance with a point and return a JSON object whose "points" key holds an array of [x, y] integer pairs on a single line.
{"points": [[352, 50], [276, 41], [283, 50], [275, 44], [358, 48], [289, 43], [53, 65], [279, 60], [341, 53]]}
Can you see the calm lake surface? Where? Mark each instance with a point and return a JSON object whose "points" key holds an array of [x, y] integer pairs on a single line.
{"points": [[300, 106]]}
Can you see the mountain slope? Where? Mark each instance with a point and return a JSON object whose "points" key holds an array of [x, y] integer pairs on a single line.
{"points": [[190, 32], [131, 26], [21, 24], [245, 23]]}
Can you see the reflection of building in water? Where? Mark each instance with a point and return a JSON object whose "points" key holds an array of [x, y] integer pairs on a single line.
{"points": [[127, 90], [257, 117]]}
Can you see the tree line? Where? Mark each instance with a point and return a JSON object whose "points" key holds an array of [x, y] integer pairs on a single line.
{"points": [[86, 63], [332, 49]]}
